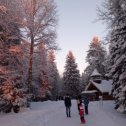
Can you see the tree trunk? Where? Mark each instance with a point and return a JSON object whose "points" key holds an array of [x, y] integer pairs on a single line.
{"points": [[29, 81]]}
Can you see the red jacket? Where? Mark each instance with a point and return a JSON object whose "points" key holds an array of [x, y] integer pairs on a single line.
{"points": [[81, 110]]}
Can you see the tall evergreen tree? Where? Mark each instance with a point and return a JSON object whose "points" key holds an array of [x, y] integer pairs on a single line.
{"points": [[71, 76], [96, 56], [12, 86], [40, 72], [116, 19], [53, 74], [83, 81], [11, 73]]}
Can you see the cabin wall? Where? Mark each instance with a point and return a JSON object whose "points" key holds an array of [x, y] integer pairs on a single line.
{"points": [[95, 96]]}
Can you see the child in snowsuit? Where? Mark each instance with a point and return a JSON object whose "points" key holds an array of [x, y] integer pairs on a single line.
{"points": [[82, 113], [79, 102]]}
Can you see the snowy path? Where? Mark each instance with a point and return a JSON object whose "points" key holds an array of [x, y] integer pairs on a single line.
{"points": [[53, 114], [104, 115]]}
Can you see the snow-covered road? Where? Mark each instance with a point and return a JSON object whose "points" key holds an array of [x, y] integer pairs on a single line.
{"points": [[53, 114]]}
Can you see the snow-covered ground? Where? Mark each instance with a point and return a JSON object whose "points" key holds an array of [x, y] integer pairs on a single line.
{"points": [[52, 113]]}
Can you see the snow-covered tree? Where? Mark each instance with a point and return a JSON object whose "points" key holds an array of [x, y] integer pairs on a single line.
{"points": [[53, 74], [35, 19], [12, 87], [115, 16], [71, 76], [83, 81], [40, 72], [39, 26], [60, 87], [118, 59], [11, 72], [96, 56]]}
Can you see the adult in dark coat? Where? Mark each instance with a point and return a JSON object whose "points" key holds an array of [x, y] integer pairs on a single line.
{"points": [[86, 102], [67, 102]]}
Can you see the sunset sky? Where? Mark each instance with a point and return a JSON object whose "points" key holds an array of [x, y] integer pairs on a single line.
{"points": [[76, 28]]}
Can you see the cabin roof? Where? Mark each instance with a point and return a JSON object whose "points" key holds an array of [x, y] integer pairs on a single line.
{"points": [[95, 73], [104, 86]]}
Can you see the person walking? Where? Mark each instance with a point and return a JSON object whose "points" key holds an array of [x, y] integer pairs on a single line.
{"points": [[82, 113], [68, 104], [86, 102], [79, 101]]}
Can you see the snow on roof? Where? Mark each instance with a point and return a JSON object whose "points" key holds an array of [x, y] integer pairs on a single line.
{"points": [[89, 92], [104, 86], [95, 72]]}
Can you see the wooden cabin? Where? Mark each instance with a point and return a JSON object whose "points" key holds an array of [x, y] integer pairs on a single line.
{"points": [[98, 87]]}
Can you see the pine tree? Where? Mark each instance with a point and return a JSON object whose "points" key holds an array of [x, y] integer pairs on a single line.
{"points": [[11, 59], [83, 81], [11, 73], [71, 76], [118, 59], [95, 57], [116, 10], [40, 72], [60, 87], [53, 74]]}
